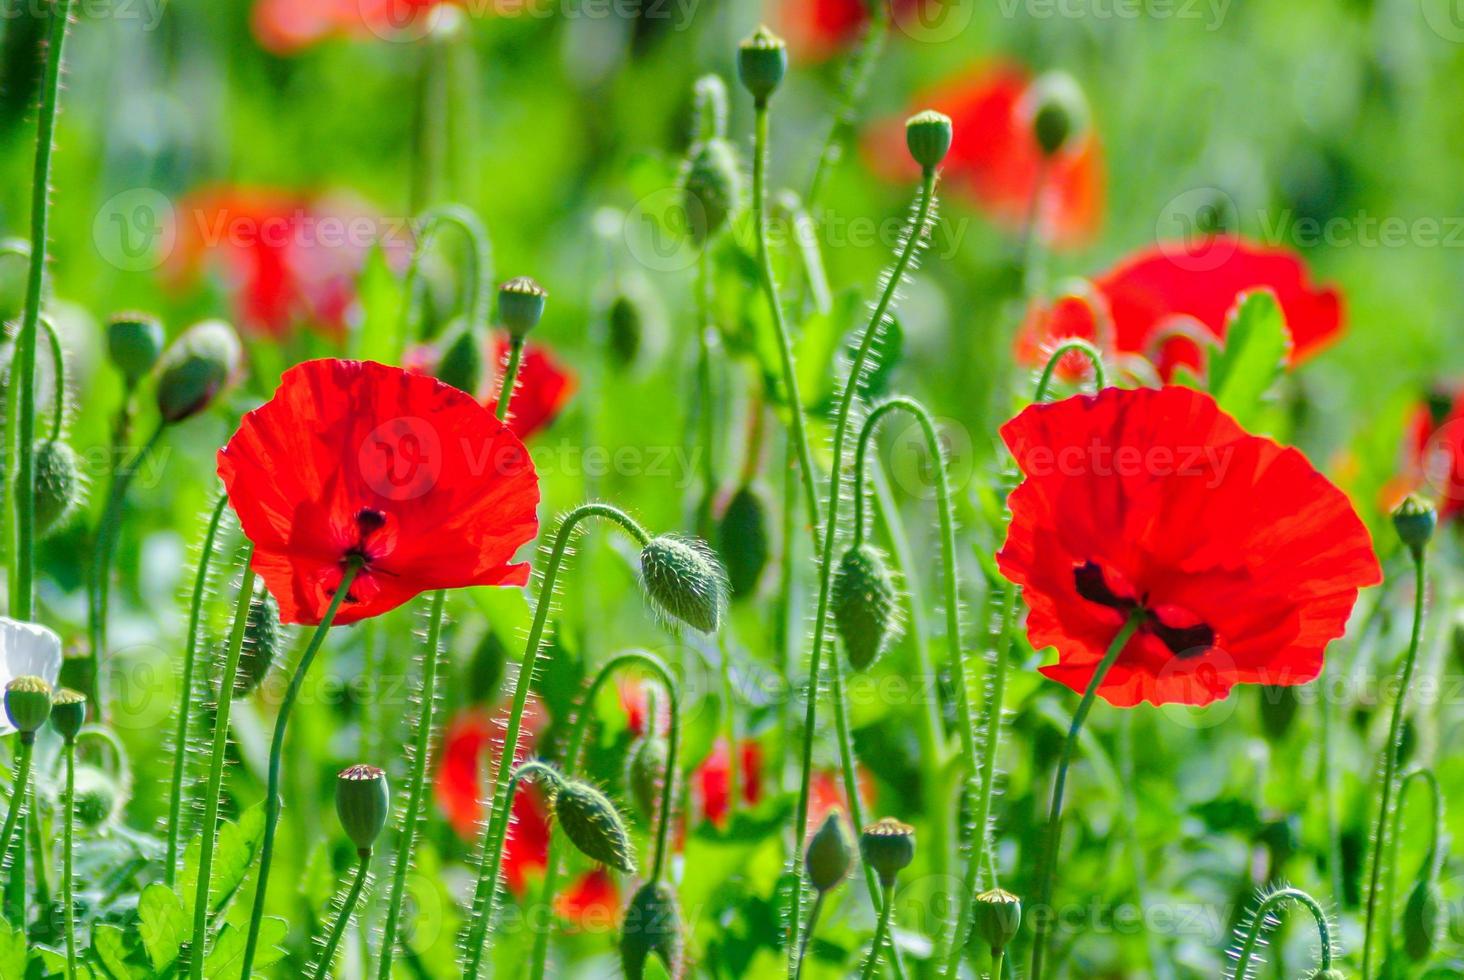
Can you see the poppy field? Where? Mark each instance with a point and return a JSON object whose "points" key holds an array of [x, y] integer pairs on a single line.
{"points": [[669, 489]]}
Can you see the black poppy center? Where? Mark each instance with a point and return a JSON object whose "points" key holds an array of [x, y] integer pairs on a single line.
{"points": [[369, 521], [1182, 641]]}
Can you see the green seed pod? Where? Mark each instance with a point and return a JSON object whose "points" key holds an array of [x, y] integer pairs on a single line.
{"points": [[520, 305], [68, 713], [829, 854], [711, 189], [652, 924], [58, 485], [195, 368], [928, 136], [888, 846], [996, 919], [743, 540], [1058, 110], [28, 705], [684, 581], [261, 643], [762, 61], [1415, 520], [645, 768], [593, 825], [865, 605], [625, 330], [462, 364], [363, 802], [134, 343], [98, 797], [1421, 920]]}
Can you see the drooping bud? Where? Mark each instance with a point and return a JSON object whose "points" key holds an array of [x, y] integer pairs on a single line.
{"points": [[743, 540], [928, 136], [99, 798], [58, 485], [865, 605], [829, 854], [711, 189], [1058, 111], [996, 919], [645, 768], [652, 924], [888, 846], [134, 343], [625, 330], [195, 369], [684, 581], [593, 825], [1421, 920], [520, 305], [68, 713], [1415, 520], [261, 644], [28, 705], [462, 364], [762, 61], [363, 802]]}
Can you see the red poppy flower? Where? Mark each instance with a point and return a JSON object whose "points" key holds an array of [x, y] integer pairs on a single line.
{"points": [[1434, 454], [593, 899], [713, 780], [353, 461], [826, 793], [287, 26], [1161, 302], [543, 388], [819, 29], [995, 161], [1243, 560]]}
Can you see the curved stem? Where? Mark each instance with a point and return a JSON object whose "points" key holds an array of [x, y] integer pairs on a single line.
{"points": [[358, 883], [420, 765], [225, 702], [510, 377], [480, 269], [185, 707], [1074, 346], [68, 850], [18, 790], [491, 857], [1391, 750], [1054, 817], [58, 379], [1430, 858], [272, 800], [871, 965], [1253, 934]]}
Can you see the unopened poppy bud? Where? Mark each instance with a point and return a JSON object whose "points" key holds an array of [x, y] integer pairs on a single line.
{"points": [[195, 368], [888, 846], [261, 645], [652, 924], [58, 485], [462, 364], [363, 802], [762, 61], [996, 918], [864, 604], [711, 188], [28, 705], [520, 305], [709, 96], [134, 343], [928, 136], [743, 540], [1058, 111], [626, 328], [99, 798], [593, 825], [684, 581], [68, 713], [1415, 520], [1421, 920], [645, 767], [829, 854]]}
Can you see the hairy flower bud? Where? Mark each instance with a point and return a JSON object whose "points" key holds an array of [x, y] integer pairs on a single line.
{"points": [[261, 644], [462, 363], [68, 713], [134, 343], [58, 485], [593, 825], [762, 61], [743, 540], [997, 917], [865, 605], [684, 581], [829, 854], [1415, 520], [928, 136], [1421, 920], [99, 798], [520, 305], [888, 846], [652, 924], [195, 368], [711, 188], [645, 768], [363, 803]]}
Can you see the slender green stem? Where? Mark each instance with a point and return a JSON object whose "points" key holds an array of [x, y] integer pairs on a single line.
{"points": [[185, 707], [706, 397], [272, 800], [1074, 346], [68, 836], [1431, 859], [353, 897], [491, 856], [215, 781], [58, 379], [784, 628], [813, 916], [857, 75], [420, 765], [1053, 840], [998, 961], [22, 590], [1252, 938], [18, 791], [510, 377], [871, 965], [1392, 750], [480, 269], [913, 238]]}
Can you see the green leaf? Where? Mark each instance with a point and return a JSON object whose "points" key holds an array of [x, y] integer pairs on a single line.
{"points": [[118, 957], [233, 854], [380, 294], [1256, 347], [13, 953], [227, 954], [161, 923]]}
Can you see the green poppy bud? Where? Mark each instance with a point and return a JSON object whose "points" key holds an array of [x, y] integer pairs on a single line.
{"points": [[762, 61], [652, 924], [28, 705], [625, 330], [593, 825], [829, 854], [58, 485], [865, 605], [462, 364], [645, 768], [888, 846], [99, 799], [195, 369], [743, 540], [928, 136], [520, 305], [711, 188], [134, 343], [1421, 920], [684, 581], [68, 713], [1058, 111], [996, 918], [1415, 520], [363, 802], [261, 645]]}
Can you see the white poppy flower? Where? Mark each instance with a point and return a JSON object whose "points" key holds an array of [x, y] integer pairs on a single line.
{"points": [[27, 650]]}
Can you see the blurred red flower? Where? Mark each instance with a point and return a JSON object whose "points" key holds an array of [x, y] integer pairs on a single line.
{"points": [[995, 161], [287, 26], [285, 258], [817, 29], [542, 389], [357, 461], [1433, 461], [1244, 559], [713, 779], [1160, 302]]}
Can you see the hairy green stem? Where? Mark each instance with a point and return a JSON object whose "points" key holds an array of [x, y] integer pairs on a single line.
{"points": [[1432, 859], [510, 377], [871, 965], [18, 791], [1074, 346], [1252, 938], [68, 850], [813, 917], [358, 884], [58, 379]]}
